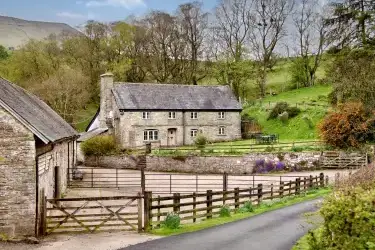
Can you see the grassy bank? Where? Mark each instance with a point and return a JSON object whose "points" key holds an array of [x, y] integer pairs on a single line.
{"points": [[303, 243], [263, 208]]}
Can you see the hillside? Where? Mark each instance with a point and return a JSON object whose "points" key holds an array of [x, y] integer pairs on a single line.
{"points": [[15, 32], [311, 101]]}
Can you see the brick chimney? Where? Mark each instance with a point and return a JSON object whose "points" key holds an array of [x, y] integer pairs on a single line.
{"points": [[106, 85]]}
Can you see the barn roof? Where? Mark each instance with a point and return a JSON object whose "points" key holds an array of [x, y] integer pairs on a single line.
{"points": [[146, 96], [33, 113]]}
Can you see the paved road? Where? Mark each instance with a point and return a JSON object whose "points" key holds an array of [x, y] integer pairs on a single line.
{"points": [[276, 230]]}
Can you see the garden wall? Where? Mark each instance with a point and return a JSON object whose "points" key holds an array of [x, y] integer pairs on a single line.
{"points": [[208, 164]]}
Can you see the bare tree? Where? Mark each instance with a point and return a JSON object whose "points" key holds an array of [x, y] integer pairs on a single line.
{"points": [[194, 22], [270, 17], [311, 31], [232, 26], [164, 47]]}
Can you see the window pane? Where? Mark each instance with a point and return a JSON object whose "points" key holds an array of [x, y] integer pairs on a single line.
{"points": [[145, 137]]}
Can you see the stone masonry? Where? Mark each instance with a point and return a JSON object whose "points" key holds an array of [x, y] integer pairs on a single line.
{"points": [[203, 164], [17, 177]]}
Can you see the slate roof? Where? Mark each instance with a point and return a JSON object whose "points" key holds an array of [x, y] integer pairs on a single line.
{"points": [[33, 113], [88, 135], [146, 96]]}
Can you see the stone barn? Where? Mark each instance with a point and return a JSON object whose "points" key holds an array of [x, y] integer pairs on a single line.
{"points": [[36, 144]]}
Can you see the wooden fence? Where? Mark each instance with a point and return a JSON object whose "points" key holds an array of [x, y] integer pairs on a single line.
{"points": [[234, 149], [91, 214], [196, 206], [333, 159]]}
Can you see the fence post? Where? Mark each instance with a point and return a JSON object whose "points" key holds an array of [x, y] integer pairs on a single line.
{"points": [[271, 191], [236, 198], [143, 180], [148, 211], [176, 202], [196, 183], [290, 187], [140, 211], [194, 207], [304, 183], [42, 214], [281, 189], [209, 204], [260, 193], [327, 180], [321, 178], [159, 211], [57, 194], [297, 186], [310, 181], [225, 181]]}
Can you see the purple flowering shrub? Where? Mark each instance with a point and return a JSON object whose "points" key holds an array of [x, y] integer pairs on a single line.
{"points": [[263, 166]]}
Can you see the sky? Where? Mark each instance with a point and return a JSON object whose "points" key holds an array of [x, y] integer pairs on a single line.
{"points": [[76, 12]]}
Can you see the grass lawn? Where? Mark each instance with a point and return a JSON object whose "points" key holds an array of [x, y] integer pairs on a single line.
{"points": [[263, 208], [84, 117]]}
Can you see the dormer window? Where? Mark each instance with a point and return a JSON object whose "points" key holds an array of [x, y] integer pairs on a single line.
{"points": [[145, 115]]}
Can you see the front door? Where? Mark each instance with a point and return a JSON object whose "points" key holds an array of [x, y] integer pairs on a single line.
{"points": [[172, 137]]}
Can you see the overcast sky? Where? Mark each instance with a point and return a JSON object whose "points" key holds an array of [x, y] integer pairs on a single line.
{"points": [[76, 12]]}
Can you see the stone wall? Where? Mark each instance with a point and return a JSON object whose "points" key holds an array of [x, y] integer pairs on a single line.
{"points": [[201, 164], [17, 177]]}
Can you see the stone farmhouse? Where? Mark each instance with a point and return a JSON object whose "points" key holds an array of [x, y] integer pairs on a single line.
{"points": [[37, 148], [166, 114]]}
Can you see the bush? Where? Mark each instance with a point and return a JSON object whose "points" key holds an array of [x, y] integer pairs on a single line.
{"points": [[282, 107], [348, 213], [225, 211], [99, 146], [247, 207], [172, 221], [200, 141], [297, 149], [279, 108], [293, 111], [350, 126]]}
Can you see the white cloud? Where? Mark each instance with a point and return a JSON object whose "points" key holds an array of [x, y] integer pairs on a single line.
{"points": [[128, 4], [72, 15]]}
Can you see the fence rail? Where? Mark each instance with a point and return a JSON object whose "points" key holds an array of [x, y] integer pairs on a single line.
{"points": [[93, 177], [197, 206]]}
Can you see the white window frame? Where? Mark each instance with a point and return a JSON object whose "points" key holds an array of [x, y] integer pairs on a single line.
{"points": [[194, 115], [151, 135], [221, 115], [145, 115], [172, 115], [222, 130], [193, 133]]}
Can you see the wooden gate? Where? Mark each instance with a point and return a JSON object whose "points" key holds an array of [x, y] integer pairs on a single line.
{"points": [[93, 214], [336, 160]]}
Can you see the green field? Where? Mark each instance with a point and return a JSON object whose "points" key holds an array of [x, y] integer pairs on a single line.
{"points": [[296, 128]]}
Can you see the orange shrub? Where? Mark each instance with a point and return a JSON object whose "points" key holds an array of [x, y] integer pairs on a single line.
{"points": [[350, 126]]}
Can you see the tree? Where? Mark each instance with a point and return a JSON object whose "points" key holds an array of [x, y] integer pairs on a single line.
{"points": [[193, 21], [233, 22], [270, 17], [350, 126], [66, 91], [352, 75], [3, 53], [311, 34], [164, 49], [352, 22]]}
